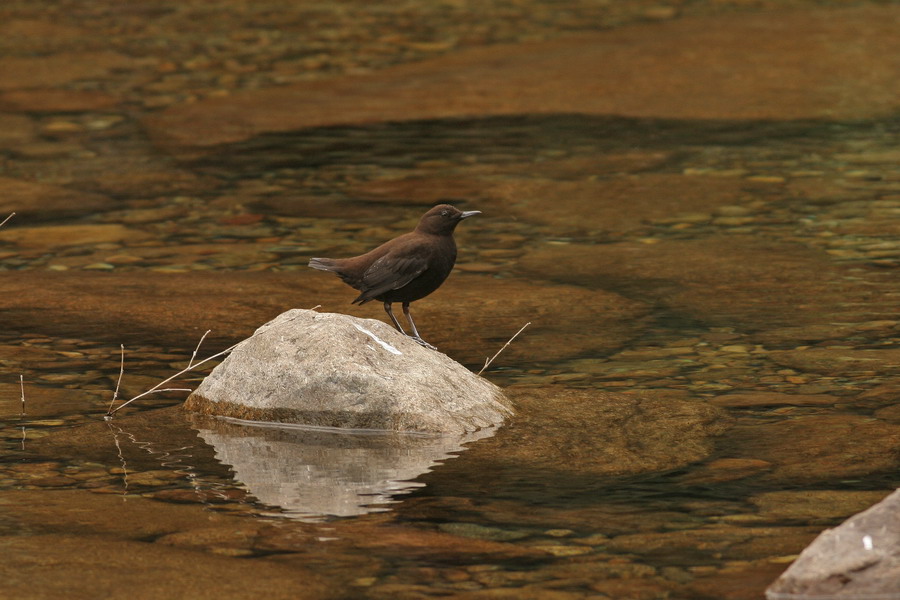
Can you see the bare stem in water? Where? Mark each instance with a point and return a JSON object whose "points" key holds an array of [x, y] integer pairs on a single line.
{"points": [[197, 349], [22, 387], [158, 388], [488, 362], [119, 381], [11, 215]]}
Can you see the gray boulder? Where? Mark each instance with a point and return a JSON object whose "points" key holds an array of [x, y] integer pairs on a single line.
{"points": [[859, 559], [333, 370]]}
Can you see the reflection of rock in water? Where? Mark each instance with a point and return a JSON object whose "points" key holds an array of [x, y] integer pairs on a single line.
{"points": [[314, 472]]}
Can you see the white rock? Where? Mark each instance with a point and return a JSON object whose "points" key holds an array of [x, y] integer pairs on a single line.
{"points": [[335, 370], [859, 559]]}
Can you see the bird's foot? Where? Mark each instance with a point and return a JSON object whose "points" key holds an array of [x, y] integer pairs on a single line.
{"points": [[422, 342]]}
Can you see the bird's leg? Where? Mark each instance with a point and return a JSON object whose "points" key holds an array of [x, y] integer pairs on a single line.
{"points": [[390, 311], [412, 324]]}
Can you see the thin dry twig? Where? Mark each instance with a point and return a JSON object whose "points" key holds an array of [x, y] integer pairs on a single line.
{"points": [[488, 362], [157, 388], [119, 381], [159, 391], [22, 387], [11, 215], [197, 349]]}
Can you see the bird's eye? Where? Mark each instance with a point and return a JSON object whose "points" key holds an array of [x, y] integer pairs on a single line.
{"points": [[445, 213]]}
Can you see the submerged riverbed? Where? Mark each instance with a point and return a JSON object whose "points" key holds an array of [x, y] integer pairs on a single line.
{"points": [[709, 380]]}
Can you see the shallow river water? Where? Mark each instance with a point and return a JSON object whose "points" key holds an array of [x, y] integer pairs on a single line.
{"points": [[709, 379]]}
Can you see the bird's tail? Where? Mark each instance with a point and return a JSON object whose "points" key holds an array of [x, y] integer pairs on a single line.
{"points": [[324, 264]]}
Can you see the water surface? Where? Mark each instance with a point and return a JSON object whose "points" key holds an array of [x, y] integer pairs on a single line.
{"points": [[708, 382]]}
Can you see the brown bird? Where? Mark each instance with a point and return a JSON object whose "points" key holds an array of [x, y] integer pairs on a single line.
{"points": [[405, 268]]}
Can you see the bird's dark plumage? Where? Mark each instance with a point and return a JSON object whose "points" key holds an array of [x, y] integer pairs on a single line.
{"points": [[406, 268]]}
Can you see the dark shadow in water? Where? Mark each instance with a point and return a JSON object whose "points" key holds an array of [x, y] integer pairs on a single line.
{"points": [[667, 491], [517, 138]]}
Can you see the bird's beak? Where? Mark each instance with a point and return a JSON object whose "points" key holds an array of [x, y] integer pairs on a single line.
{"points": [[469, 213]]}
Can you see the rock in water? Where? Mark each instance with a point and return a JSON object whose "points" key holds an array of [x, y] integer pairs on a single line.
{"points": [[335, 370], [859, 559]]}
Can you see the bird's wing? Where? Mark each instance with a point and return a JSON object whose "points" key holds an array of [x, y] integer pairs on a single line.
{"points": [[391, 272]]}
